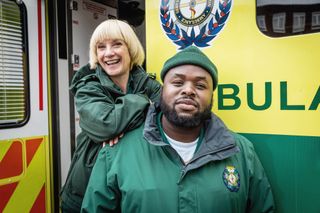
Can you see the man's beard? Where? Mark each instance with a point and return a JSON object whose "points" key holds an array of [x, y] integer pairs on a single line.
{"points": [[184, 121]]}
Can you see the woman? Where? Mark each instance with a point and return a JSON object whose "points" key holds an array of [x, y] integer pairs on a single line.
{"points": [[111, 95]]}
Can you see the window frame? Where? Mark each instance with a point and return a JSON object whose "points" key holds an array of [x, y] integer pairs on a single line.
{"points": [[25, 68]]}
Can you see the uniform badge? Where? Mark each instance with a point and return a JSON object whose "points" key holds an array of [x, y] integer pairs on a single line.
{"points": [[193, 22], [231, 178]]}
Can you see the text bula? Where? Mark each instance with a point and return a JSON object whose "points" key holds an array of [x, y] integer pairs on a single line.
{"points": [[230, 93]]}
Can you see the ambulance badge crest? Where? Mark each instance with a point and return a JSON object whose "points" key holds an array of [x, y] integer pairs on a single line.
{"points": [[231, 178], [193, 22]]}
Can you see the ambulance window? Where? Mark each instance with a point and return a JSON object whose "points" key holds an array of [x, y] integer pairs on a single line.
{"points": [[278, 22], [288, 17], [261, 20], [315, 20], [14, 92], [299, 21]]}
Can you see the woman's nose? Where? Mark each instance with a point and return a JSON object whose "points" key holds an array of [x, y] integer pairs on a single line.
{"points": [[108, 51]]}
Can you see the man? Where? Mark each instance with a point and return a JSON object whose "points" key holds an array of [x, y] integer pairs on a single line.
{"points": [[183, 159]]}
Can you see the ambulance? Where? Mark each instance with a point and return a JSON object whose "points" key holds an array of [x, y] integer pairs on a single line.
{"points": [[268, 57]]}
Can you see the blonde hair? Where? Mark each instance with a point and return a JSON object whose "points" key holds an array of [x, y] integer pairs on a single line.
{"points": [[116, 29]]}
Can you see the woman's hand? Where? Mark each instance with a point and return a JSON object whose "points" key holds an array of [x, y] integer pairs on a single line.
{"points": [[113, 141]]}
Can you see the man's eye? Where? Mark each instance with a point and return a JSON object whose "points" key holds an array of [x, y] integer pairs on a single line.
{"points": [[177, 83], [201, 86]]}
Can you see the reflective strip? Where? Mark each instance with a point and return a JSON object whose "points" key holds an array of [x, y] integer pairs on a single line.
{"points": [[40, 203], [29, 194], [32, 146], [4, 148], [11, 163], [5, 194], [40, 56]]}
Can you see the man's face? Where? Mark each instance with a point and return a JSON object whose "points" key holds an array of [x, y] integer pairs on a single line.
{"points": [[186, 97]]}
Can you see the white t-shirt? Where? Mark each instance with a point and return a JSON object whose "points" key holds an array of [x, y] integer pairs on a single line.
{"points": [[185, 150]]}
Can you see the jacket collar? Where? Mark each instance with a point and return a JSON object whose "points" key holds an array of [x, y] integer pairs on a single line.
{"points": [[106, 81], [218, 142], [134, 84]]}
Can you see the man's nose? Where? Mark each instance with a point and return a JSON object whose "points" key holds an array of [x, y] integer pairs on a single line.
{"points": [[188, 89]]}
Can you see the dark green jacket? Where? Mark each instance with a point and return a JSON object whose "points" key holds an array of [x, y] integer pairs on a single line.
{"points": [[105, 112], [144, 174]]}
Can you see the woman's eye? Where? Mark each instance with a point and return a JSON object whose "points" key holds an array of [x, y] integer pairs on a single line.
{"points": [[101, 46], [117, 44]]}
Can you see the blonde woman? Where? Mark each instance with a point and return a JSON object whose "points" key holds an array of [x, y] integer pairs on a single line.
{"points": [[111, 94]]}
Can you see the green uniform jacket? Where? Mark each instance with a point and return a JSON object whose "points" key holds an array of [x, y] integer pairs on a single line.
{"points": [[105, 112], [144, 174]]}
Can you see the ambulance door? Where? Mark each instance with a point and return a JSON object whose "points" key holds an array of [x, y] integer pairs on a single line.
{"points": [[24, 118], [85, 16]]}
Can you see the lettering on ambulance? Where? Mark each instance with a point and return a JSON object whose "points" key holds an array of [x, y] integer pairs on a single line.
{"points": [[316, 101], [229, 92]]}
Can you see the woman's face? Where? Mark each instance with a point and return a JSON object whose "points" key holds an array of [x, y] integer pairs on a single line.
{"points": [[114, 58]]}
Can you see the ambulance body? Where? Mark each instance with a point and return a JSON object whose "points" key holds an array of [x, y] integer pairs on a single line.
{"points": [[267, 55], [266, 52]]}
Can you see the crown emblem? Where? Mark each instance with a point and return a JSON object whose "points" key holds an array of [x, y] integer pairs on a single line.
{"points": [[231, 178], [193, 22]]}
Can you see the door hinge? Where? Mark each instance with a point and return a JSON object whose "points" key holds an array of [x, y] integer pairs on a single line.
{"points": [[73, 5], [75, 59]]}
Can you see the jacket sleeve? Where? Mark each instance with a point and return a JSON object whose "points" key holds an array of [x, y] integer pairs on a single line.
{"points": [[260, 197], [102, 194], [103, 118], [154, 90]]}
